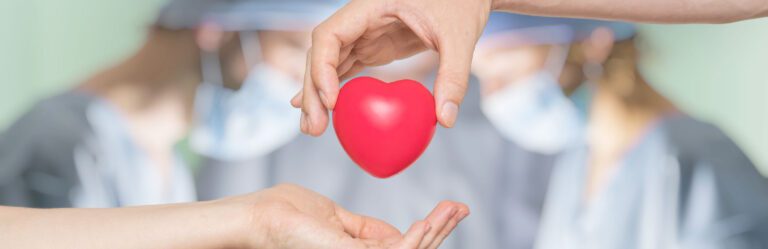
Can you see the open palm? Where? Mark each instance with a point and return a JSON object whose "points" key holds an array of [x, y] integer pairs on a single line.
{"points": [[299, 218]]}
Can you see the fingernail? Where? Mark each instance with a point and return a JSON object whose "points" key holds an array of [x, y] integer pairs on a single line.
{"points": [[325, 100], [427, 226], [449, 112], [452, 212]]}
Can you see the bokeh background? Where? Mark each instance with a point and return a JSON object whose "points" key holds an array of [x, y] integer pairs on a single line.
{"points": [[718, 73]]}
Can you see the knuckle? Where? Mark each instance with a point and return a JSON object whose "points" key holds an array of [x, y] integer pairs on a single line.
{"points": [[318, 32], [453, 84]]}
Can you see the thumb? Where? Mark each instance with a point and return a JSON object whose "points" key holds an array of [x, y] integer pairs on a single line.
{"points": [[451, 82]]}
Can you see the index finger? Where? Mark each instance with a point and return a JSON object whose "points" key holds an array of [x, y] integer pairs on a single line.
{"points": [[341, 29], [444, 219]]}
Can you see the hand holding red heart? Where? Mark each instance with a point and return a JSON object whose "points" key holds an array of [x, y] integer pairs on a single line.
{"points": [[370, 33]]}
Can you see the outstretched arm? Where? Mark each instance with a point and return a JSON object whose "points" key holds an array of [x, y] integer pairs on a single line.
{"points": [[371, 33], [652, 11], [199, 225], [285, 216]]}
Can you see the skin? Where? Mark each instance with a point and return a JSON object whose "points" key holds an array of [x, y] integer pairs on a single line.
{"points": [[651, 11], [286, 216], [369, 33]]}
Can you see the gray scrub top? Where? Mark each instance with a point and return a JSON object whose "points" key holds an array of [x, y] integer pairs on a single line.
{"points": [[503, 184], [73, 150], [684, 185]]}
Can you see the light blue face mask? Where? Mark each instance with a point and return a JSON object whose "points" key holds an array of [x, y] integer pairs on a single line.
{"points": [[534, 113], [250, 122]]}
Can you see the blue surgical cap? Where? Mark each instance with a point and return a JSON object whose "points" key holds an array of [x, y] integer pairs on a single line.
{"points": [[247, 15], [550, 30]]}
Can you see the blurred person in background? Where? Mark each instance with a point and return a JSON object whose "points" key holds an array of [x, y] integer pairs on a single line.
{"points": [[234, 123], [110, 141], [502, 181], [518, 63], [637, 173]]}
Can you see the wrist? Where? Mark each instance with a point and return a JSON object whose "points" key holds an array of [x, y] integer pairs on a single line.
{"points": [[247, 225], [229, 224]]}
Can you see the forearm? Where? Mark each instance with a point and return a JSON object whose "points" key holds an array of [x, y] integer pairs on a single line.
{"points": [[195, 225], [652, 11]]}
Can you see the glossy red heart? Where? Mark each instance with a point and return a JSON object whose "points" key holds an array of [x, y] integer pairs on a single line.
{"points": [[384, 127]]}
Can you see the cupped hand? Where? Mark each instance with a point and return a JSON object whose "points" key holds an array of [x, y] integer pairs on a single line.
{"points": [[289, 216], [369, 33]]}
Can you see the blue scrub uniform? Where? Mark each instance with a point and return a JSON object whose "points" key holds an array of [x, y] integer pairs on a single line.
{"points": [[684, 185], [73, 150]]}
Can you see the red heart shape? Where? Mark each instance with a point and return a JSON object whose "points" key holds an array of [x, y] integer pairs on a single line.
{"points": [[384, 127]]}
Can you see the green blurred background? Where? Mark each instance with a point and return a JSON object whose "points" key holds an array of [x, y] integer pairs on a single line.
{"points": [[718, 73]]}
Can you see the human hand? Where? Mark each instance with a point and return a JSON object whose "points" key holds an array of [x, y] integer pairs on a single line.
{"points": [[370, 33], [289, 216]]}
